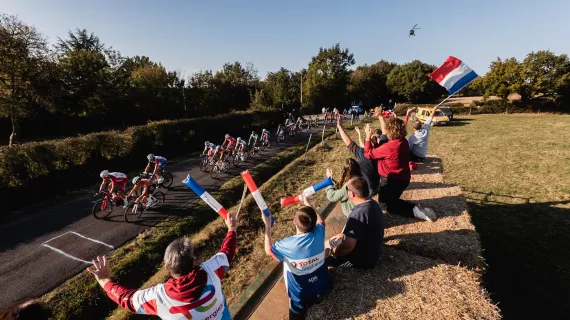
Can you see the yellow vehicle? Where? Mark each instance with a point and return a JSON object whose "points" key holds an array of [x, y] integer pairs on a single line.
{"points": [[422, 114]]}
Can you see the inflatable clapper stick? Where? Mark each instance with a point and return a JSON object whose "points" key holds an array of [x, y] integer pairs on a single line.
{"points": [[307, 192], [215, 205], [246, 176]]}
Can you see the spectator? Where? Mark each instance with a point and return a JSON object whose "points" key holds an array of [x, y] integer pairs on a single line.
{"points": [[393, 166], [359, 244], [339, 192], [191, 286], [418, 141], [303, 256], [369, 167], [29, 310]]}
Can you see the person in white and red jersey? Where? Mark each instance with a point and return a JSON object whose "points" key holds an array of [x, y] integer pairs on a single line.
{"points": [[193, 292], [115, 179]]}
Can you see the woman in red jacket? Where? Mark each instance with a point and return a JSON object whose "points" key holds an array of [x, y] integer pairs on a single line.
{"points": [[393, 166]]}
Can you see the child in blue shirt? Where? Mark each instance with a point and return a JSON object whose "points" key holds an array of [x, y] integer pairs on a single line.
{"points": [[303, 255]]}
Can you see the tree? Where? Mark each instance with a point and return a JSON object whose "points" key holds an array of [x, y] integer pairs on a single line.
{"points": [[411, 81], [327, 78], [281, 90], [541, 72], [79, 40], [368, 83], [503, 78], [22, 49]]}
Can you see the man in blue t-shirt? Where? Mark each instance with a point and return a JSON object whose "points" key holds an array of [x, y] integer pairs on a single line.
{"points": [[303, 255]]}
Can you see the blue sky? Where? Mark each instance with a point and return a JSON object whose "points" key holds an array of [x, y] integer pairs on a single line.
{"points": [[198, 35]]}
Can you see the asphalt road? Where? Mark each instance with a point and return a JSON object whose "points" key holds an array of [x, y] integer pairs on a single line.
{"points": [[43, 249]]}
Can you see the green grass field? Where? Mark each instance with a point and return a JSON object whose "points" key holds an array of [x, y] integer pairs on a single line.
{"points": [[515, 173]]}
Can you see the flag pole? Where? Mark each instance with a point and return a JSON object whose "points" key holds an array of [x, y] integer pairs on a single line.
{"points": [[455, 93]]}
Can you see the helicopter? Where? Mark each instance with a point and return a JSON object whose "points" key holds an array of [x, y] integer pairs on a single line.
{"points": [[413, 31]]}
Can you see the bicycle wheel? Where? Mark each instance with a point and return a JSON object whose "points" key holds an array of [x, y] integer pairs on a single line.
{"points": [[168, 179], [204, 165], [102, 209], [133, 212], [159, 200], [214, 172]]}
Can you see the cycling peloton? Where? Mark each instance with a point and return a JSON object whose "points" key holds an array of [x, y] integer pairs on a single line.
{"points": [[116, 179], [159, 164]]}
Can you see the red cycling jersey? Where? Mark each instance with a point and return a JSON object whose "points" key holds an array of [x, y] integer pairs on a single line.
{"points": [[119, 179], [231, 142]]}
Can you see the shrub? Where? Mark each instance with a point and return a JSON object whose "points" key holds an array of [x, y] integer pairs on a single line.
{"points": [[37, 170]]}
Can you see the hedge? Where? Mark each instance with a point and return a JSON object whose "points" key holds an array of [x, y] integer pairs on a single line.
{"points": [[38, 170]]}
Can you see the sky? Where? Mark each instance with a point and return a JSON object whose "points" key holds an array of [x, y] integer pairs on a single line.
{"points": [[193, 35]]}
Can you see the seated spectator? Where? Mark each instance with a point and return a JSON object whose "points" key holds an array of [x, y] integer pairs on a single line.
{"points": [[394, 169], [359, 244], [369, 167], [303, 257], [418, 141], [29, 310], [192, 286], [339, 192]]}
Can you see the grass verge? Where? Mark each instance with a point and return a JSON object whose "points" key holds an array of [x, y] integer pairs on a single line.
{"points": [[514, 171], [81, 298]]}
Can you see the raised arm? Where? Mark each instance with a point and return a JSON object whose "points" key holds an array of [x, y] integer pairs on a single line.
{"points": [[407, 116], [433, 111], [345, 138], [378, 113], [308, 204]]}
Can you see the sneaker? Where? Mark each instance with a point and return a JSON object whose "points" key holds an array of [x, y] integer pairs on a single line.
{"points": [[426, 214], [125, 202]]}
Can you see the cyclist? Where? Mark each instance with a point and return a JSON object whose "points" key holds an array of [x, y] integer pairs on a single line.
{"points": [[117, 179], [208, 149], [265, 137], [253, 137], [159, 164], [144, 181], [280, 132], [231, 143], [241, 145]]}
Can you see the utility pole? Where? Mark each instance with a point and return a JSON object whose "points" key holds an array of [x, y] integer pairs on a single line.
{"points": [[301, 90]]}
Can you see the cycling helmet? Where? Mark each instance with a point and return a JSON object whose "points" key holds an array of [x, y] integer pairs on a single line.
{"points": [[227, 135], [253, 132], [136, 180], [217, 147], [238, 139], [207, 143], [150, 157], [104, 174], [263, 130]]}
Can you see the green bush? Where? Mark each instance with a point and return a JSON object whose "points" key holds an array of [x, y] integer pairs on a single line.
{"points": [[38, 170]]}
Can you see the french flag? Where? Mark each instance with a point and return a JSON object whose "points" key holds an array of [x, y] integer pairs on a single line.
{"points": [[204, 195], [453, 75]]}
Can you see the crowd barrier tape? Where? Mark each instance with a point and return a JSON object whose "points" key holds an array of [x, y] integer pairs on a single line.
{"points": [[215, 205], [307, 192], [247, 178]]}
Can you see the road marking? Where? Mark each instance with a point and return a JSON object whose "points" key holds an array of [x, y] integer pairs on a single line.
{"points": [[96, 241], [65, 254], [69, 255]]}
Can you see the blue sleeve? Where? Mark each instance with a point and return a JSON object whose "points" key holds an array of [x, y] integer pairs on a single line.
{"points": [[278, 249], [320, 231]]}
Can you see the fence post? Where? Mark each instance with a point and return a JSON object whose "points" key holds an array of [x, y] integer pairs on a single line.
{"points": [[323, 135], [351, 118], [307, 148]]}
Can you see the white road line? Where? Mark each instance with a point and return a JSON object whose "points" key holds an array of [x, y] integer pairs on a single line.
{"points": [[66, 254], [97, 241], [61, 235]]}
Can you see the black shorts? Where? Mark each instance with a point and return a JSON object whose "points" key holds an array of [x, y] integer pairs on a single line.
{"points": [[415, 158]]}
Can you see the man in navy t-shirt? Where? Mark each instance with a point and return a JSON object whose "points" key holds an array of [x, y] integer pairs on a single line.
{"points": [[303, 255], [359, 244]]}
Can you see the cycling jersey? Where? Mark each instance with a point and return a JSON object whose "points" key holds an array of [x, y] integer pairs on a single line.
{"points": [[253, 136], [160, 161], [243, 143], [231, 141], [119, 179]]}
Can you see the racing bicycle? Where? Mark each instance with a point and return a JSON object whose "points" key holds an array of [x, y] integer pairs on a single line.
{"points": [[240, 156], [206, 162], [135, 209], [104, 206], [220, 166]]}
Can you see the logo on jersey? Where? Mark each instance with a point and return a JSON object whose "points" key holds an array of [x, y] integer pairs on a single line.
{"points": [[306, 266], [199, 305]]}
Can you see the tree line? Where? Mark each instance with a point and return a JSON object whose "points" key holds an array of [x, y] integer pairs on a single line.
{"points": [[82, 85]]}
